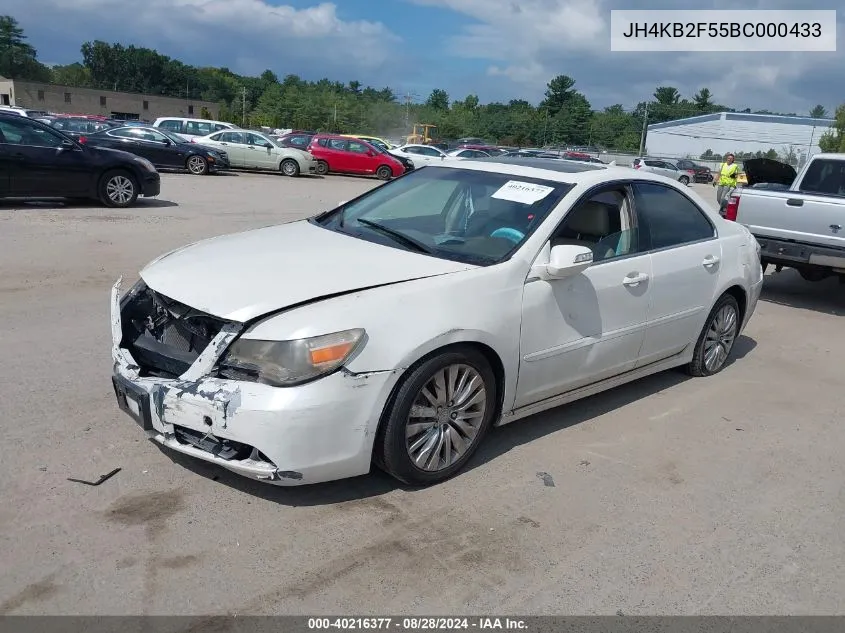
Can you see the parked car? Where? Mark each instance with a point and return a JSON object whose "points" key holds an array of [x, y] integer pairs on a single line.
{"points": [[297, 140], [190, 128], [421, 155], [21, 111], [38, 161], [344, 155], [663, 168], [161, 149], [372, 140], [76, 126], [296, 374], [700, 173], [467, 153], [798, 219], [253, 150]]}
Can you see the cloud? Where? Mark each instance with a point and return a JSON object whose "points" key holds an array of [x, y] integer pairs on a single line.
{"points": [[530, 41], [247, 36]]}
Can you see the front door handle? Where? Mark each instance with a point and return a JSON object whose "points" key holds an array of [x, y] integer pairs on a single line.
{"points": [[635, 279], [710, 260], [795, 202]]}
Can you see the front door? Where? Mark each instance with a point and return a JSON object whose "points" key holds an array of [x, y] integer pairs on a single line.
{"points": [[591, 326], [42, 162], [686, 258], [258, 154]]}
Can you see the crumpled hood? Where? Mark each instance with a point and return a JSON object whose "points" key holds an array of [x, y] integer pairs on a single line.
{"points": [[245, 275]]}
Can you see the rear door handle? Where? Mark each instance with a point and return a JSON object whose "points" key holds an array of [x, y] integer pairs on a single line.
{"points": [[795, 202], [635, 279], [710, 260]]}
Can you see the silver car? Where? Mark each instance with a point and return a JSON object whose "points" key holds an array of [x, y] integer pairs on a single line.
{"points": [[662, 167], [255, 150]]}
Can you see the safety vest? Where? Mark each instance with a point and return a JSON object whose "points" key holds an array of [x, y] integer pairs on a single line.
{"points": [[727, 174]]}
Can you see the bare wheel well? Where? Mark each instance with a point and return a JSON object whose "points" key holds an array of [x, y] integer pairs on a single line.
{"points": [[739, 294], [489, 354]]}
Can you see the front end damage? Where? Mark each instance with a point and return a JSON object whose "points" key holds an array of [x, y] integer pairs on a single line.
{"points": [[165, 377]]}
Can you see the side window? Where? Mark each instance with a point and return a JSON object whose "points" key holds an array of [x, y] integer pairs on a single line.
{"points": [[172, 125], [670, 218], [257, 141], [605, 224], [123, 133], [218, 127], [825, 177], [336, 143], [24, 132], [198, 128], [357, 148], [299, 141], [429, 151], [238, 138], [412, 150], [323, 142]]}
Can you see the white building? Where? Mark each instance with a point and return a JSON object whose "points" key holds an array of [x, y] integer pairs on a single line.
{"points": [[736, 132]]}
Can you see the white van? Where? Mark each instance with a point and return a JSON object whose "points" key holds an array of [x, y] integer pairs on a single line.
{"points": [[192, 128]]}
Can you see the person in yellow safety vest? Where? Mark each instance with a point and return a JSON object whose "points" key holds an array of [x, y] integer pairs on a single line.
{"points": [[728, 171]]}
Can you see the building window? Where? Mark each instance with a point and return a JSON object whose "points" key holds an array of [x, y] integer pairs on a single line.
{"points": [[146, 105], [103, 102], [41, 95], [67, 97], [190, 109]]}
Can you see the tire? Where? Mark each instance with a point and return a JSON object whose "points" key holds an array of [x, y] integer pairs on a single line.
{"points": [[289, 167], [322, 168], [395, 443], [719, 331], [384, 173], [118, 189], [684, 180], [197, 165]]}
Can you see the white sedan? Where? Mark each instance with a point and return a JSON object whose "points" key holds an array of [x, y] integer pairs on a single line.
{"points": [[399, 327], [420, 155], [253, 150]]}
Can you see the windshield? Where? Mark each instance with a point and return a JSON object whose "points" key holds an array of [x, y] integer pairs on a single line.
{"points": [[470, 216]]}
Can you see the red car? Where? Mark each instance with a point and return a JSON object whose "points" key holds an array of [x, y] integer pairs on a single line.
{"points": [[345, 155]]}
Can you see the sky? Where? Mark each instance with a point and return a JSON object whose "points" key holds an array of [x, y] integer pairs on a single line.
{"points": [[496, 49]]}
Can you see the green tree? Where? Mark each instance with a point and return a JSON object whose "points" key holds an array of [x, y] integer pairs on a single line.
{"points": [[818, 112], [559, 91], [703, 99], [18, 59], [72, 75], [666, 95], [834, 139], [438, 100]]}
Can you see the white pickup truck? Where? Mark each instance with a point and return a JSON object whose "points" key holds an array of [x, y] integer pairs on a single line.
{"points": [[800, 225]]}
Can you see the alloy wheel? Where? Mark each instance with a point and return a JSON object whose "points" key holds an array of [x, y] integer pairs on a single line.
{"points": [[720, 338], [196, 165], [120, 190], [445, 418]]}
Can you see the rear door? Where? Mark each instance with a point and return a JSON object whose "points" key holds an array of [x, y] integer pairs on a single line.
{"points": [[337, 156], [40, 164], [685, 259], [234, 144]]}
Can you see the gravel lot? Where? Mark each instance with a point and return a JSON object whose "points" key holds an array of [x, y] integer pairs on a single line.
{"points": [[670, 496]]}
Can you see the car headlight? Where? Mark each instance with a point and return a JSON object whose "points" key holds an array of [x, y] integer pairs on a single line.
{"points": [[145, 163], [289, 363]]}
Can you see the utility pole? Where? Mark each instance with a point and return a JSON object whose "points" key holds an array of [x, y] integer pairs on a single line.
{"points": [[243, 107], [645, 130], [810, 146]]}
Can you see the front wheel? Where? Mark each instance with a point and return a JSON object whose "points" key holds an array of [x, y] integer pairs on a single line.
{"points": [[438, 418], [197, 165], [717, 338], [289, 167], [322, 168], [683, 180], [118, 189], [384, 173]]}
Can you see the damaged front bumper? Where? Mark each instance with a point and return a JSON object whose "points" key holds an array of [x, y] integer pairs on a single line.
{"points": [[317, 432]]}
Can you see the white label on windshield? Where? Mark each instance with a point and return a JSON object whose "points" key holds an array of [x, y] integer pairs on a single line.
{"points": [[522, 192]]}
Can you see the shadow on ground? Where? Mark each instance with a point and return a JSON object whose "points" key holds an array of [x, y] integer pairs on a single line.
{"points": [[53, 204], [787, 288], [498, 442]]}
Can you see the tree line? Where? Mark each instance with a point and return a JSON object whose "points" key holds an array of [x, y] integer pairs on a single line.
{"points": [[564, 116]]}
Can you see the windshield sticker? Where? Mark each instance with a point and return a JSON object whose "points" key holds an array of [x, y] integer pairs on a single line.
{"points": [[522, 192]]}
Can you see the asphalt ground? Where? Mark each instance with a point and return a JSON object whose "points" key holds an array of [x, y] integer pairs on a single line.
{"points": [[667, 496]]}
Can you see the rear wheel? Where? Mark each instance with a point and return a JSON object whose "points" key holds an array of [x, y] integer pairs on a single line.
{"points": [[322, 168], [197, 165], [684, 180], [437, 418], [717, 338], [118, 189], [384, 172], [289, 167]]}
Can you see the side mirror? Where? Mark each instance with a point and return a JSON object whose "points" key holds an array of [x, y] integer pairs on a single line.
{"points": [[167, 142], [370, 153], [268, 145], [68, 146], [567, 260]]}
